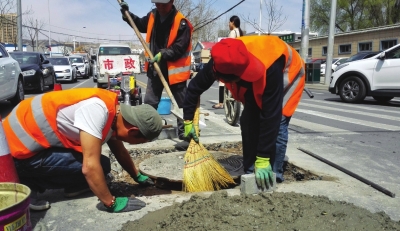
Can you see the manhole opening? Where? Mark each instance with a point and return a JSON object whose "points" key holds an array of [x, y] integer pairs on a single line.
{"points": [[124, 184]]}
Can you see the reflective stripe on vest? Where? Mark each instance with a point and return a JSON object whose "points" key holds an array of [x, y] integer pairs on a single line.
{"points": [[293, 72], [32, 125], [23, 136], [178, 70]]}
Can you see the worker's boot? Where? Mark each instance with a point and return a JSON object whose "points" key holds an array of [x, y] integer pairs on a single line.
{"points": [[36, 204]]}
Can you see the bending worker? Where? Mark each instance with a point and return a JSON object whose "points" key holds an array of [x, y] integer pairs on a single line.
{"points": [[267, 76], [169, 35], [56, 139]]}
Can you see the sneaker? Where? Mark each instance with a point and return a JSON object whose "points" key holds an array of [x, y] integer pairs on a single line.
{"points": [[36, 204], [76, 191]]}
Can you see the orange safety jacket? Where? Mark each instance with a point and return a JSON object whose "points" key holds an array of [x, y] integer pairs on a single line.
{"points": [[32, 127], [178, 70], [268, 49]]}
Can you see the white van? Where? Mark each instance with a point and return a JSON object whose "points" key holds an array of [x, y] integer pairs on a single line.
{"points": [[113, 59]]}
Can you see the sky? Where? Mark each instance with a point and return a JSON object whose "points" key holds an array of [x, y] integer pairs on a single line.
{"points": [[101, 19]]}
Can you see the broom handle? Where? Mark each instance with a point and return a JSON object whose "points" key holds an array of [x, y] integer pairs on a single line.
{"points": [[146, 48], [196, 118]]}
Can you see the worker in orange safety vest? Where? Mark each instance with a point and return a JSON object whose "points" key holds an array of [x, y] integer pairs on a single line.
{"points": [[56, 140], [169, 36], [268, 77]]}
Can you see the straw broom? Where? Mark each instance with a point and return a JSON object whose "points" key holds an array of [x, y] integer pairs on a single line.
{"points": [[201, 171]]}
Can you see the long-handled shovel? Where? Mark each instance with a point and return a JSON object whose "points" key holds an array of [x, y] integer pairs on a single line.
{"points": [[175, 108]]}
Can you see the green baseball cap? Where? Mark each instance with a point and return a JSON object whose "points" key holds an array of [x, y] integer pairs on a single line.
{"points": [[145, 117]]}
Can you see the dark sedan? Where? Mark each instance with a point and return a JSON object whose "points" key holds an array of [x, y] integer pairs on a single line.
{"points": [[38, 72], [362, 55]]}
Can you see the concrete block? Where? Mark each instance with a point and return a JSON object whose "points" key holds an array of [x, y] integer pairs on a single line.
{"points": [[168, 133], [248, 184]]}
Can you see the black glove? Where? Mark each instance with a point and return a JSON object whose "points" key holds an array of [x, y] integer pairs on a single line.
{"points": [[126, 204], [124, 7]]}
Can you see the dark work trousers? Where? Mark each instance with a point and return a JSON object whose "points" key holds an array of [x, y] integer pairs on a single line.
{"points": [[221, 94], [55, 168], [154, 91], [250, 119]]}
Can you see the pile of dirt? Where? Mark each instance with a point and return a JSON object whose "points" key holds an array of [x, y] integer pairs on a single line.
{"points": [[276, 211]]}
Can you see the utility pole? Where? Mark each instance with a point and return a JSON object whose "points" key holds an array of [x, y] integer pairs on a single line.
{"points": [[37, 35], [331, 42], [48, 7], [305, 30], [259, 28], [19, 25]]}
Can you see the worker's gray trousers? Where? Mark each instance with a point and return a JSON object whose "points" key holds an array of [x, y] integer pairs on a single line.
{"points": [[154, 91]]}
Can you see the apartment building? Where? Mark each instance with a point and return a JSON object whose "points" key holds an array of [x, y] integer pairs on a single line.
{"points": [[8, 28]]}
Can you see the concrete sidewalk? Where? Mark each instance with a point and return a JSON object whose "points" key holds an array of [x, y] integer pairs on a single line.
{"points": [[85, 212]]}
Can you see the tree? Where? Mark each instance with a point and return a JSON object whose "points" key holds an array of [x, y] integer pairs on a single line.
{"points": [[32, 26], [275, 17], [353, 14], [199, 14]]}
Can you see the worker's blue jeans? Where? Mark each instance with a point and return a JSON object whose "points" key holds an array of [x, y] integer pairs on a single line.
{"points": [[55, 168], [281, 145]]}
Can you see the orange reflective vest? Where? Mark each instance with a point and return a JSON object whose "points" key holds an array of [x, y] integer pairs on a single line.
{"points": [[178, 70], [32, 127], [268, 49]]}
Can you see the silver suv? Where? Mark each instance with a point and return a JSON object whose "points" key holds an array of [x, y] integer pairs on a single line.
{"points": [[11, 79]]}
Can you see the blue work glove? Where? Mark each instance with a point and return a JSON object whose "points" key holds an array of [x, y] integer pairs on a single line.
{"points": [[156, 58], [143, 180], [264, 173], [126, 204], [190, 132]]}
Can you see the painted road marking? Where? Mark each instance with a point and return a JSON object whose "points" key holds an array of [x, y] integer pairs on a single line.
{"points": [[350, 120], [319, 127], [352, 106], [380, 116]]}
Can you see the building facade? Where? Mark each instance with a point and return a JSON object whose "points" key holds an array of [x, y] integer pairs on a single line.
{"points": [[350, 43], [8, 30]]}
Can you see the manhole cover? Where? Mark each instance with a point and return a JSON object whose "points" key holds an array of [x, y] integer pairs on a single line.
{"points": [[170, 165]]}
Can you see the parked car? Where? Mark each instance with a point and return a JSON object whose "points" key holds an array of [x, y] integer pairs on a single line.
{"points": [[37, 70], [79, 62], [362, 55], [63, 69], [335, 62], [317, 60], [11, 78], [377, 76]]}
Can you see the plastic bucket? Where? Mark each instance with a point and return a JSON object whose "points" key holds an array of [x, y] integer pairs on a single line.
{"points": [[14, 207], [164, 107]]}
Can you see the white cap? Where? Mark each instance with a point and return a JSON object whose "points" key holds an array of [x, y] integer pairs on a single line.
{"points": [[160, 1]]}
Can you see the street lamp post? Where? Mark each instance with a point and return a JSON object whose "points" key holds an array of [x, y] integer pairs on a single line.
{"points": [[48, 7]]}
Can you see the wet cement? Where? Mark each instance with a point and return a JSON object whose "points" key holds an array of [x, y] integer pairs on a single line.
{"points": [[276, 211]]}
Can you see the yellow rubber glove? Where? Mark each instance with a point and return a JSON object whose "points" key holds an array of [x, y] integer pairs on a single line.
{"points": [[190, 131], [264, 173]]}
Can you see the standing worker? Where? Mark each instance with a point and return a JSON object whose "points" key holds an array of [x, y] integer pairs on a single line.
{"points": [[267, 76], [169, 35], [56, 139], [235, 32]]}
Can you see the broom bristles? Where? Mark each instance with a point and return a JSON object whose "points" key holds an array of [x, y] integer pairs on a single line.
{"points": [[201, 171]]}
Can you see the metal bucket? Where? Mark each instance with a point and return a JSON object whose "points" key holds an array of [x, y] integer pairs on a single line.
{"points": [[14, 207], [164, 107]]}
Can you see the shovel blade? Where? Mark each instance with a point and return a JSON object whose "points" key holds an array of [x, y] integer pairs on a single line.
{"points": [[177, 112]]}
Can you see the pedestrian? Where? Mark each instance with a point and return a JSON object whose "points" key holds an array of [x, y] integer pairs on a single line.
{"points": [[235, 32], [267, 76], [56, 139], [169, 35]]}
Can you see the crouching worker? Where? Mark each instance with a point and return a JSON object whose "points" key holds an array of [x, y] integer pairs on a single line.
{"points": [[266, 75], [56, 139]]}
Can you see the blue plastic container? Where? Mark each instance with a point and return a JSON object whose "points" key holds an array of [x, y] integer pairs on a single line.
{"points": [[164, 107]]}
